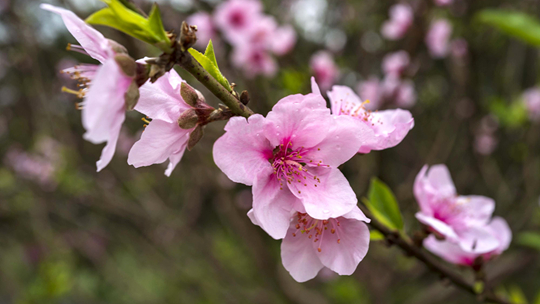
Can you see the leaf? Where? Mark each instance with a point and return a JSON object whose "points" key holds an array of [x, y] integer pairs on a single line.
{"points": [[515, 24], [383, 205], [118, 16], [529, 239], [209, 63], [511, 115], [516, 295], [375, 235]]}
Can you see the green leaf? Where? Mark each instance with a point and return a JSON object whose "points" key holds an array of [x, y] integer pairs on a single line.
{"points": [[118, 16], [529, 239], [515, 24], [383, 205], [375, 235], [516, 295], [209, 63], [512, 115]]}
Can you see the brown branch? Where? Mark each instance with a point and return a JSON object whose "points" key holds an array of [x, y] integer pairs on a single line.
{"points": [[433, 264]]}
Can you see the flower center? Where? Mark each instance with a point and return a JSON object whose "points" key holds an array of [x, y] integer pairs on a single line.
{"points": [[291, 166], [237, 18], [311, 228]]}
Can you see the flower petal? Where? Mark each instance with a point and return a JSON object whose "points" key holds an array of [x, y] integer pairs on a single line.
{"points": [[108, 151], [243, 151], [161, 100], [299, 257], [479, 208], [159, 141], [93, 42], [174, 159], [343, 257], [500, 229], [272, 207], [437, 183], [104, 102], [449, 251], [478, 239], [390, 128], [440, 227]]}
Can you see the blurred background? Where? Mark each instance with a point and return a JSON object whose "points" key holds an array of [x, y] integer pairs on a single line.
{"points": [[126, 235]]}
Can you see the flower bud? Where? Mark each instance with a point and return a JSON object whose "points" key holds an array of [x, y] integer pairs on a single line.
{"points": [[132, 96], [188, 119], [244, 98], [126, 64], [189, 94], [194, 137]]}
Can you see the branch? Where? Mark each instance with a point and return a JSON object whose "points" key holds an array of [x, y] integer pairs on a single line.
{"points": [[397, 239]]}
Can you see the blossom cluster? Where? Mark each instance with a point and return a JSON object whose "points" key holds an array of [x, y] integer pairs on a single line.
{"points": [[462, 226], [253, 35]]}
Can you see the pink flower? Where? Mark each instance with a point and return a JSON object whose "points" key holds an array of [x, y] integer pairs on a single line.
{"points": [[104, 105], [389, 126], [485, 143], [291, 158], [371, 90], [205, 28], [405, 95], [395, 63], [443, 2], [453, 253], [163, 138], [310, 245], [254, 60], [401, 19], [236, 18], [324, 69], [532, 102], [438, 38], [460, 219], [284, 40]]}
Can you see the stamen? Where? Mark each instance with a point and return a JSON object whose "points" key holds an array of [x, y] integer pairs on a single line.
{"points": [[76, 48], [80, 93]]}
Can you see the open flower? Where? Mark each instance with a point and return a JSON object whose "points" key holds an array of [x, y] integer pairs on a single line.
{"points": [[459, 219], [291, 158], [389, 126], [110, 88], [453, 253], [164, 138], [236, 18], [311, 244], [401, 19]]}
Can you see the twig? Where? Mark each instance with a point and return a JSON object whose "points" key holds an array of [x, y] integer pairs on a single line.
{"points": [[395, 238]]}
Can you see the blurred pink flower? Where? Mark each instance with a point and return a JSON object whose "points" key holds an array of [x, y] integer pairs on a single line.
{"points": [[236, 18], [401, 19], [31, 166], [291, 158], [371, 90], [405, 95], [205, 28], [459, 219], [459, 48], [254, 60], [531, 98], [443, 2], [438, 38], [324, 69], [284, 39], [103, 108], [389, 127], [453, 253], [310, 244], [395, 63], [485, 143], [163, 138]]}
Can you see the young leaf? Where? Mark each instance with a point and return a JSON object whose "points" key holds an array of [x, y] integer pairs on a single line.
{"points": [[516, 24], [383, 205], [118, 16], [209, 63], [375, 235]]}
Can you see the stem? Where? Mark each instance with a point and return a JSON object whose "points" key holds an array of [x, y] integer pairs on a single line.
{"points": [[397, 239], [194, 68]]}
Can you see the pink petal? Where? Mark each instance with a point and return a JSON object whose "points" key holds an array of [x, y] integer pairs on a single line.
{"points": [[357, 214], [437, 225], [437, 180], [93, 42], [479, 209], [315, 87], [284, 39], [108, 151], [333, 196], [104, 102], [478, 240], [272, 207], [449, 251], [343, 257], [500, 229], [300, 119], [159, 141], [243, 151], [299, 257], [390, 128], [161, 100], [174, 159], [251, 215]]}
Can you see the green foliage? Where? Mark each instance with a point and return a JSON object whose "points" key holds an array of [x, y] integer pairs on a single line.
{"points": [[209, 63], [375, 235], [346, 290], [383, 205], [515, 24], [529, 239], [516, 295], [511, 115], [122, 18]]}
